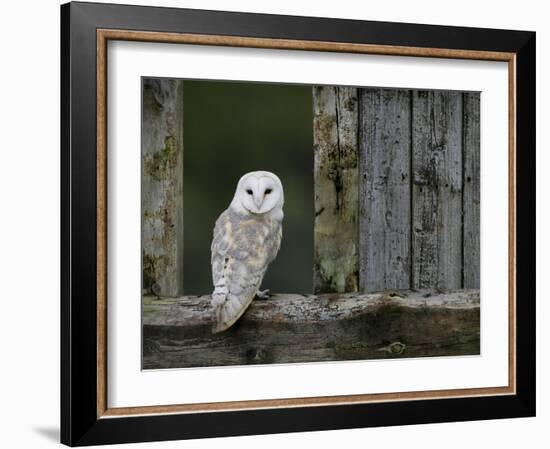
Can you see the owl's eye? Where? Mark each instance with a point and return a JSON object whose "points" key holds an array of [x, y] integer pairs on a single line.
{"points": [[249, 191], [268, 191]]}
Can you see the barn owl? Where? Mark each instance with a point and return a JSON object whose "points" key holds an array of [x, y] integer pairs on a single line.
{"points": [[247, 237]]}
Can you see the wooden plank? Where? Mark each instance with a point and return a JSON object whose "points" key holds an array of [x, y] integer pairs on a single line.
{"points": [[437, 190], [312, 328], [385, 189], [470, 198], [162, 187], [336, 189]]}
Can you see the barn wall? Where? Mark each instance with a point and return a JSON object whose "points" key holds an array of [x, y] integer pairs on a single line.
{"points": [[416, 158]]}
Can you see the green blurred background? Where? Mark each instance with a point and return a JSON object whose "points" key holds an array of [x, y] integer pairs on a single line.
{"points": [[231, 128]]}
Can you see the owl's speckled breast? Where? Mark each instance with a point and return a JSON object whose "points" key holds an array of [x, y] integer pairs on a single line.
{"points": [[255, 234]]}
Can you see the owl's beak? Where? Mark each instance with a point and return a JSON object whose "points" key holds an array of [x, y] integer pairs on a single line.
{"points": [[258, 201]]}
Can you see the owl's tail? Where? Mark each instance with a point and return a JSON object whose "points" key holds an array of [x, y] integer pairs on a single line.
{"points": [[228, 308]]}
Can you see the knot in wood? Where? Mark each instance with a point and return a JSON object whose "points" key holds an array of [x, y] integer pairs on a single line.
{"points": [[395, 348]]}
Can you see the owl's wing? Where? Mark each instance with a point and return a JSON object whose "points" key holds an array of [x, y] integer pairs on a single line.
{"points": [[239, 262]]}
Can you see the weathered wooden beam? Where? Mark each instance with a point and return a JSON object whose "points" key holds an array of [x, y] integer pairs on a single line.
{"points": [[312, 328], [385, 189], [335, 121], [162, 187], [470, 196], [437, 190]]}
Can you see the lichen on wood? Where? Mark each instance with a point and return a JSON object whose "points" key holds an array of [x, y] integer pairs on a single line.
{"points": [[162, 187], [336, 189]]}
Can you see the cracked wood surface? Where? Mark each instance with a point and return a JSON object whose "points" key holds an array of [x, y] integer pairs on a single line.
{"points": [[437, 190], [335, 124], [385, 192], [289, 328], [471, 190]]}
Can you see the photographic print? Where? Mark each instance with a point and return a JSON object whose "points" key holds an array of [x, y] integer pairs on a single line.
{"points": [[296, 223]]}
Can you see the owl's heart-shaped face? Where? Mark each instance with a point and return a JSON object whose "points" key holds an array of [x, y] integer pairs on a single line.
{"points": [[259, 192]]}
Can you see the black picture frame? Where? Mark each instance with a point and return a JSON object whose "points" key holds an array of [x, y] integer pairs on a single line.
{"points": [[80, 423]]}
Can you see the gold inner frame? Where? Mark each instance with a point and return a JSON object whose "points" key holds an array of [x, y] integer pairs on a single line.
{"points": [[104, 35]]}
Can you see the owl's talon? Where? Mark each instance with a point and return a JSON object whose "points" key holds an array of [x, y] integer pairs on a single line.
{"points": [[262, 294]]}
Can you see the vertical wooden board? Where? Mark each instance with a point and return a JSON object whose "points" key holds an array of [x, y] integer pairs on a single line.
{"points": [[162, 187], [385, 201], [470, 198], [336, 189], [437, 190]]}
